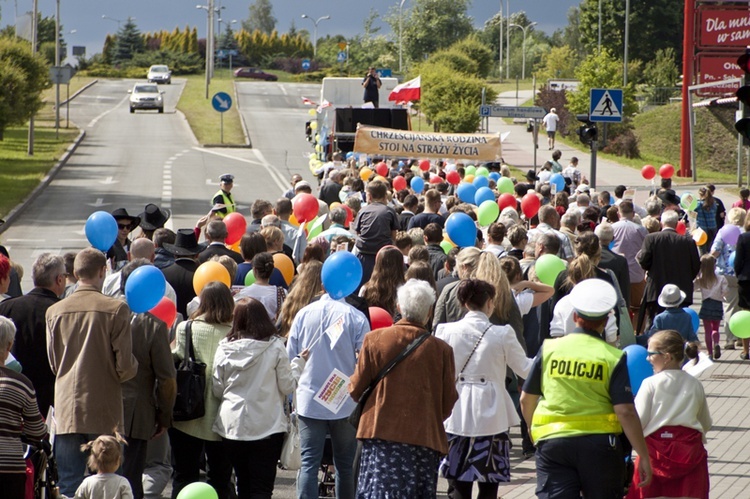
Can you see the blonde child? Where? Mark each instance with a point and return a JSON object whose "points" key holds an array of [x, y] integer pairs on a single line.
{"points": [[105, 459], [713, 288]]}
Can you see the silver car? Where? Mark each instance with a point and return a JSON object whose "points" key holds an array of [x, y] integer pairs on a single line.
{"points": [[146, 96], [159, 73]]}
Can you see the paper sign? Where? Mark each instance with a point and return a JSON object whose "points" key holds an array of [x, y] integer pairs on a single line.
{"points": [[628, 195], [334, 392], [335, 330], [696, 369]]}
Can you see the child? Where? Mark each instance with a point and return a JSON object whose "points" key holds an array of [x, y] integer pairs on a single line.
{"points": [[713, 288], [105, 458], [674, 317]]}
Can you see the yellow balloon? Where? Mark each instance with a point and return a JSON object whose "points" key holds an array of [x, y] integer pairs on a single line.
{"points": [[448, 239], [365, 174], [210, 272], [319, 148], [469, 178], [381, 178], [333, 205], [235, 247], [293, 220], [314, 125], [700, 237], [312, 112], [285, 266]]}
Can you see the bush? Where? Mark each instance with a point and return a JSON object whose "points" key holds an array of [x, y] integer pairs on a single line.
{"points": [[624, 144], [293, 65], [456, 61], [106, 71], [180, 63], [311, 76], [478, 52]]}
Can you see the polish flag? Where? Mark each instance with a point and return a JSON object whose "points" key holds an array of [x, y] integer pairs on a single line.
{"points": [[407, 91], [323, 105]]}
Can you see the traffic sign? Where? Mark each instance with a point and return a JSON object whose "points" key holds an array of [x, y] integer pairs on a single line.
{"points": [[61, 74], [341, 57], [342, 45], [221, 102], [306, 64], [511, 112], [221, 54], [605, 105]]}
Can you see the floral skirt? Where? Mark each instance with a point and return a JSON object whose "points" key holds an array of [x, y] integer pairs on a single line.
{"points": [[477, 459], [392, 470]]}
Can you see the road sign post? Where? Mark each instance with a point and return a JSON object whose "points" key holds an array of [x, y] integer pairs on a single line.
{"points": [[221, 102]]}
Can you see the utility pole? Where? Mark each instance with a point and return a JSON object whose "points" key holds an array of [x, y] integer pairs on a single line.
{"points": [[507, 41], [34, 14], [500, 55], [57, 64]]}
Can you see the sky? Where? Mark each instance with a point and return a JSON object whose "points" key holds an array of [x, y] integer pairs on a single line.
{"points": [[85, 16]]}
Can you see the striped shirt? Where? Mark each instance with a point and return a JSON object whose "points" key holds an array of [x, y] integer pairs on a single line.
{"points": [[19, 414]]}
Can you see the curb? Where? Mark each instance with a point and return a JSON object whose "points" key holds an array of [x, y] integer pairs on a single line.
{"points": [[228, 146], [79, 92], [248, 143], [16, 212]]}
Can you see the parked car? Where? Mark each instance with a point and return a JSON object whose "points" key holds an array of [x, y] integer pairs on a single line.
{"points": [[159, 74], [146, 96], [255, 73]]}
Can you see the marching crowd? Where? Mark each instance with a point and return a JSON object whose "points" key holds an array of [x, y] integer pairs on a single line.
{"points": [[408, 318]]}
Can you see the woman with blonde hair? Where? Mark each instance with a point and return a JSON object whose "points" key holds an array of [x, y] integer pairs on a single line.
{"points": [[305, 287], [722, 248]]}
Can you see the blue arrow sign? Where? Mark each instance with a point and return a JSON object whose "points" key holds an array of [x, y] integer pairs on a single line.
{"points": [[341, 57], [306, 64], [221, 102]]}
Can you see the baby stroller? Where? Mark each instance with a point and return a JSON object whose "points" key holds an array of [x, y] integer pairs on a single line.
{"points": [[42, 468]]}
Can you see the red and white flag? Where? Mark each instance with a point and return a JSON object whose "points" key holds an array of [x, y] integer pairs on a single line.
{"points": [[307, 101], [407, 91], [323, 105]]}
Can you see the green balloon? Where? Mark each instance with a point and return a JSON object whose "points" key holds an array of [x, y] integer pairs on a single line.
{"points": [[249, 278], [482, 172], [688, 202], [505, 186], [488, 212], [198, 490], [471, 170], [447, 247], [548, 267], [740, 324]]}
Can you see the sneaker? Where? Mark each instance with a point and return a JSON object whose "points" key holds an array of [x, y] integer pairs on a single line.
{"points": [[743, 355], [728, 346], [717, 352]]}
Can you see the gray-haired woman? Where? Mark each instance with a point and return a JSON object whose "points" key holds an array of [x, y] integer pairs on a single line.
{"points": [[402, 421]]}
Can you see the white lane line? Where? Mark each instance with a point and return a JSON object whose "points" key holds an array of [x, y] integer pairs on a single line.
{"points": [[73, 240], [283, 89], [105, 113], [269, 168], [25, 240]]}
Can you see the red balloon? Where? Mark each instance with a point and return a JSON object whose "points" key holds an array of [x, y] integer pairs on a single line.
{"points": [[506, 200], [681, 227], [236, 225], [530, 205], [305, 207], [424, 165], [382, 169], [399, 183], [436, 180], [349, 215], [453, 177], [380, 318], [666, 171], [165, 310], [648, 172]]}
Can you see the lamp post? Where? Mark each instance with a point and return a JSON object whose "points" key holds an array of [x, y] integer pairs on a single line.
{"points": [[599, 47], [400, 34], [209, 41], [523, 50], [118, 21], [500, 53], [627, 37], [507, 41], [315, 31]]}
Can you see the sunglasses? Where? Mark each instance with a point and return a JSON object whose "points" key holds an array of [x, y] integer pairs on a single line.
{"points": [[123, 226], [651, 354]]}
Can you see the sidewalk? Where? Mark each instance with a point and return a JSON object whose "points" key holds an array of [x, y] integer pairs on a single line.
{"points": [[728, 398]]}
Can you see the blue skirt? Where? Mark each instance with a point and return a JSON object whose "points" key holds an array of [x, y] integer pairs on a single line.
{"points": [[712, 310], [477, 459], [392, 470]]}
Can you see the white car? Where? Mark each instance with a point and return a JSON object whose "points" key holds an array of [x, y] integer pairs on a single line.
{"points": [[159, 74], [146, 96]]}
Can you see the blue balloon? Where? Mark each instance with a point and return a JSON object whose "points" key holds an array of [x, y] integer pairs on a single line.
{"points": [[558, 181], [144, 288], [341, 274], [639, 368], [694, 317], [494, 176], [480, 182], [461, 229], [466, 193], [101, 230], [417, 184], [483, 194], [730, 260], [349, 155]]}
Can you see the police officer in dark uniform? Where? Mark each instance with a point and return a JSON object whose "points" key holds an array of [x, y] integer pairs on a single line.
{"points": [[224, 196], [577, 401]]}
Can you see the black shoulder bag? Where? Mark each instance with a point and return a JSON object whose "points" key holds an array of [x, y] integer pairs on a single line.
{"points": [[356, 414], [191, 383]]}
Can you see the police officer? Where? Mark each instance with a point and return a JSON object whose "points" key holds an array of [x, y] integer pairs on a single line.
{"points": [[224, 195], [577, 401]]}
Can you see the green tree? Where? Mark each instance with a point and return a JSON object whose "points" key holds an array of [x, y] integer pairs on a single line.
{"points": [[559, 62], [129, 42], [602, 70], [260, 18], [662, 70], [228, 40], [478, 52], [23, 76]]}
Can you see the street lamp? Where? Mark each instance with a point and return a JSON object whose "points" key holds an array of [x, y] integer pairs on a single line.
{"points": [[118, 21], [523, 51], [400, 34], [209, 40], [315, 31], [627, 37]]}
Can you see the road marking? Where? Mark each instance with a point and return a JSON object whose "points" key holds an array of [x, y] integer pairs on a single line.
{"points": [[25, 240], [109, 181], [283, 89], [99, 203], [105, 113], [274, 174], [73, 240]]}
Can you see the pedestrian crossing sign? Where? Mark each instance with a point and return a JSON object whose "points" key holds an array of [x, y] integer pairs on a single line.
{"points": [[605, 105]]}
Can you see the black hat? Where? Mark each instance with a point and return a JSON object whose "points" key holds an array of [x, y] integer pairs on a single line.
{"points": [[668, 196], [122, 214], [154, 217], [227, 178], [531, 176], [185, 244]]}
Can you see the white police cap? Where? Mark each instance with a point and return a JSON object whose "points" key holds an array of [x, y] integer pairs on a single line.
{"points": [[593, 299]]}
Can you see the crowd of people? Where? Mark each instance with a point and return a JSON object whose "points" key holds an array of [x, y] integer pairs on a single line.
{"points": [[446, 348]]}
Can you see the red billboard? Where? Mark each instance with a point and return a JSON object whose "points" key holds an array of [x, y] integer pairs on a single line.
{"points": [[723, 27], [717, 67]]}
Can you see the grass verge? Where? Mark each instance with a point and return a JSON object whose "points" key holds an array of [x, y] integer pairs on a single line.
{"points": [[21, 173], [202, 117]]}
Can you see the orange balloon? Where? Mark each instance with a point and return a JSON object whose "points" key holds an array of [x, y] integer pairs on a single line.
{"points": [[235, 247], [469, 178], [293, 220], [365, 174], [285, 266], [210, 272]]}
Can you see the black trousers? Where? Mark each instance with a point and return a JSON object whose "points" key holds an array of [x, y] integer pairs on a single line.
{"points": [[462, 490], [254, 463], [590, 464], [186, 453], [13, 485], [133, 464]]}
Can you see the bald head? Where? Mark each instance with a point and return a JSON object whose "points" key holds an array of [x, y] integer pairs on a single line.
{"points": [[142, 248]]}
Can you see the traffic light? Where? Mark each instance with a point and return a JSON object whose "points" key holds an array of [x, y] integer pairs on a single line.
{"points": [[587, 132], [743, 97]]}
